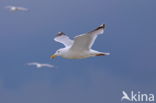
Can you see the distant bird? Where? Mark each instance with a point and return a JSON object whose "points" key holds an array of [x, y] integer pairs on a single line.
{"points": [[125, 96], [39, 65], [16, 8], [80, 47]]}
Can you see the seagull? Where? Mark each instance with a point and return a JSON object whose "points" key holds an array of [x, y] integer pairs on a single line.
{"points": [[39, 65], [80, 47], [125, 96], [15, 8]]}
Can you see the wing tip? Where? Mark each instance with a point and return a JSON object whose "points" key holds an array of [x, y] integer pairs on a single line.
{"points": [[60, 34], [102, 26]]}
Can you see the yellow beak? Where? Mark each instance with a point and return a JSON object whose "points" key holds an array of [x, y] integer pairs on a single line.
{"points": [[53, 56]]}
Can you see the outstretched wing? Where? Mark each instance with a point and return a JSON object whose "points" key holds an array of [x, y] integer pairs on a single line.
{"points": [[64, 39], [85, 41], [22, 9], [33, 63], [48, 65]]}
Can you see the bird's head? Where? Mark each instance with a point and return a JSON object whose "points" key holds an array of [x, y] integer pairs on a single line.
{"points": [[57, 53]]}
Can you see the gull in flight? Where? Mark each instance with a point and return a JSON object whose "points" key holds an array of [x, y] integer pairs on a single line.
{"points": [[15, 8], [80, 47], [39, 65], [125, 96]]}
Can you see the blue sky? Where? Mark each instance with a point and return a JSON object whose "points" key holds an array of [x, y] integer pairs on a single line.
{"points": [[28, 36]]}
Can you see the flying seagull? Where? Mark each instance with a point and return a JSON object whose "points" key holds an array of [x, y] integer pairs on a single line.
{"points": [[80, 47], [15, 8], [39, 65]]}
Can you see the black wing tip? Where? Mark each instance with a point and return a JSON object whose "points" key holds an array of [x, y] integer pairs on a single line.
{"points": [[102, 26], [60, 34]]}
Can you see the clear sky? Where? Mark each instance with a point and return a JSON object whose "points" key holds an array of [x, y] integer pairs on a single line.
{"points": [[130, 37]]}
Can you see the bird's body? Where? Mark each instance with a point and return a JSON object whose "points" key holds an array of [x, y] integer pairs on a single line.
{"points": [[80, 47], [39, 65], [69, 54], [15, 8]]}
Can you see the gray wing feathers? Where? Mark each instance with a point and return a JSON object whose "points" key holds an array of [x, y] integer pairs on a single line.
{"points": [[85, 41], [62, 38]]}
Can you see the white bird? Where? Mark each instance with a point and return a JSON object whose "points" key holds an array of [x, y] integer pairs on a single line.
{"points": [[39, 65], [15, 8], [80, 47], [125, 96]]}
